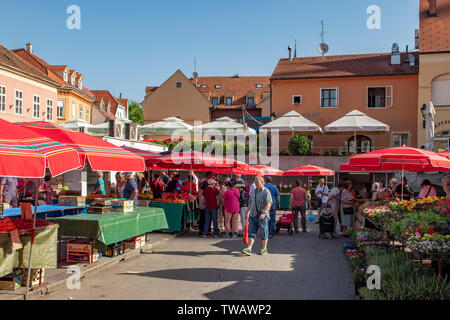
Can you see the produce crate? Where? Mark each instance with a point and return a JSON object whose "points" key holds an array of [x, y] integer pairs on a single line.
{"points": [[79, 246], [98, 210], [123, 205], [71, 201], [12, 281], [144, 203], [114, 250], [135, 243], [101, 203], [86, 257], [37, 277]]}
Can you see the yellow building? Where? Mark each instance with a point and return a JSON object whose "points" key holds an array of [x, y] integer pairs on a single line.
{"points": [[434, 71], [74, 100]]}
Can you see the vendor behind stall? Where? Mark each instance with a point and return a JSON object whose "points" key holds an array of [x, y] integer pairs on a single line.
{"points": [[46, 189], [8, 191], [131, 190], [100, 185]]}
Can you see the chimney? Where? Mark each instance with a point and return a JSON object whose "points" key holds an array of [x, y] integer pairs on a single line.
{"points": [[395, 55], [290, 53], [432, 11], [120, 95], [29, 47]]}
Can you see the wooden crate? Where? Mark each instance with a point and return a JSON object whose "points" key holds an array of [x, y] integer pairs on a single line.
{"points": [[86, 257], [37, 277], [71, 201], [98, 210], [12, 281], [123, 205]]}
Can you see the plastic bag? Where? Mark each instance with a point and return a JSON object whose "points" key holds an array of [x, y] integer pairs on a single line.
{"points": [[245, 237], [310, 216]]}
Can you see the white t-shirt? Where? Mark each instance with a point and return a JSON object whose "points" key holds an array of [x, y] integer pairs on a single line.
{"points": [[334, 201], [324, 190]]}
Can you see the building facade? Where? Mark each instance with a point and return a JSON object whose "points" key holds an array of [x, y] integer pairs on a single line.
{"points": [[74, 100], [26, 94], [383, 86], [434, 75], [107, 107]]}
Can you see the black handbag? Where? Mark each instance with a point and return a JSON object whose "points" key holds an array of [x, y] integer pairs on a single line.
{"points": [[348, 211]]}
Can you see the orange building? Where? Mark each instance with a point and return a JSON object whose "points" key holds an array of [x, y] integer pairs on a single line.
{"points": [[383, 85]]}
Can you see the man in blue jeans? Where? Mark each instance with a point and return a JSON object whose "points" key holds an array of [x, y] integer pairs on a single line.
{"points": [[258, 216], [275, 204]]}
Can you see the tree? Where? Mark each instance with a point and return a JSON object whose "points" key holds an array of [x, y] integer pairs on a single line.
{"points": [[136, 113], [299, 146]]}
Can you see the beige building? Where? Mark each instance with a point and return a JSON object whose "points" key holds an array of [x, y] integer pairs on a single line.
{"points": [[434, 74], [176, 97]]}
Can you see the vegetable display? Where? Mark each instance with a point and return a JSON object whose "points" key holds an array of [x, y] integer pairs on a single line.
{"points": [[11, 224]]}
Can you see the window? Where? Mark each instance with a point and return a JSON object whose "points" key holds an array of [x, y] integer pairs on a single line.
{"points": [[218, 86], [87, 115], [258, 86], [74, 109], [228, 101], [66, 75], [18, 102], [80, 84], [2, 99], [376, 97], [73, 79], [400, 139], [49, 109], [204, 86], [36, 106], [296, 99], [328, 98], [178, 84], [363, 144], [250, 101], [214, 101], [60, 109], [81, 111]]}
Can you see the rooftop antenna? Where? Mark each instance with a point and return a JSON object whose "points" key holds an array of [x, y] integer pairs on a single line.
{"points": [[295, 49], [195, 74], [323, 47]]}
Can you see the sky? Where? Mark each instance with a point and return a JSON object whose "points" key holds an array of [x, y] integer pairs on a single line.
{"points": [[124, 46]]}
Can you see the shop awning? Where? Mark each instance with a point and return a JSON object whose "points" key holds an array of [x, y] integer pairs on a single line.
{"points": [[26, 154], [309, 170], [225, 123], [165, 127], [101, 155]]}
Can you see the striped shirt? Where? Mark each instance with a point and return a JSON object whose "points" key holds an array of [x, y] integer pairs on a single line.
{"points": [[259, 200]]}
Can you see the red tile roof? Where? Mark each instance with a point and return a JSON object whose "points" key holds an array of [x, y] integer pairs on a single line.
{"points": [[238, 86], [49, 70], [107, 98], [124, 103], [9, 59], [435, 31], [110, 116], [355, 65]]}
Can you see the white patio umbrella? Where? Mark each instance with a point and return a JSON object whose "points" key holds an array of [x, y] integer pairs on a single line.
{"points": [[293, 122], [356, 121], [166, 127], [224, 123], [430, 112]]}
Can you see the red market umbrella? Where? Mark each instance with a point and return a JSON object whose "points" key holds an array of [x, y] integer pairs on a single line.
{"points": [[150, 157], [402, 158], [309, 170], [266, 170], [101, 155], [26, 154], [195, 161], [347, 167]]}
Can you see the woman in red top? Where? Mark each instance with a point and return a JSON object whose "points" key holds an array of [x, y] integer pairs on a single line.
{"points": [[210, 198], [297, 203], [190, 186], [232, 209]]}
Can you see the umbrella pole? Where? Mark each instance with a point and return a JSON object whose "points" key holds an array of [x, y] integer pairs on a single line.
{"points": [[354, 142], [36, 193], [403, 174]]}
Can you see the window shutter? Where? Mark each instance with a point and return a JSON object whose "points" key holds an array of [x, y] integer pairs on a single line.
{"points": [[111, 128], [389, 96], [337, 97], [127, 131]]}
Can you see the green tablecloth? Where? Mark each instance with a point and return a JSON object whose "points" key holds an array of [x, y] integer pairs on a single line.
{"points": [[284, 201], [174, 214], [44, 250], [112, 227]]}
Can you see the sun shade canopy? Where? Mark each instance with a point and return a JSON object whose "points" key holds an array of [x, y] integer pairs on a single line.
{"points": [[292, 122], [356, 121]]}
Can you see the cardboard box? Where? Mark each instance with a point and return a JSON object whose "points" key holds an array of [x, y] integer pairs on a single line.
{"points": [[123, 205], [12, 281], [79, 246], [85, 257], [133, 243], [37, 277], [71, 201]]}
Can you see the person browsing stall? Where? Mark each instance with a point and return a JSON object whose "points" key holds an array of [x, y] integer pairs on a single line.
{"points": [[275, 204], [100, 185], [322, 194], [131, 190], [427, 190]]}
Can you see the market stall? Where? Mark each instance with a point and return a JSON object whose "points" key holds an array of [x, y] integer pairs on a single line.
{"points": [[109, 228], [50, 211], [178, 214]]}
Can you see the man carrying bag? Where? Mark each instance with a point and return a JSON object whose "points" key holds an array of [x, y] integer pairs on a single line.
{"points": [[322, 194]]}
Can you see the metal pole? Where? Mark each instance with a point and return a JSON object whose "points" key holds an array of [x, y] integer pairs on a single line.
{"points": [[36, 194], [403, 173]]}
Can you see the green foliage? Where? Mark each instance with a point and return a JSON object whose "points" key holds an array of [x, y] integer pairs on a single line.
{"points": [[136, 113], [403, 279], [299, 146]]}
